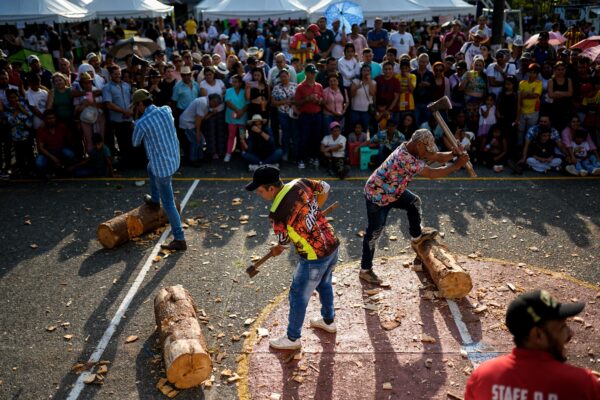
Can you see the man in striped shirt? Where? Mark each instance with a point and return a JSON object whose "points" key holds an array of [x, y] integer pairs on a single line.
{"points": [[156, 127]]}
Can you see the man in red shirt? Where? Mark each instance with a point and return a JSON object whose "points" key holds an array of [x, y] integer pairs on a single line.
{"points": [[388, 92], [51, 139], [309, 100], [536, 368], [303, 45]]}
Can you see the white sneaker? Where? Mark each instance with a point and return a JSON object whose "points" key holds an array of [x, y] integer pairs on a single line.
{"points": [[596, 171], [572, 170], [301, 165], [253, 167], [319, 323], [284, 343], [583, 172], [227, 157]]}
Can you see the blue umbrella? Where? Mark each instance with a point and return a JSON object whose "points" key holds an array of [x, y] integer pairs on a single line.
{"points": [[346, 12]]}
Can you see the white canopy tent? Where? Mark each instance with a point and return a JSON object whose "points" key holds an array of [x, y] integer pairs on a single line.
{"points": [[41, 11], [242, 9], [127, 8], [385, 9], [448, 7]]}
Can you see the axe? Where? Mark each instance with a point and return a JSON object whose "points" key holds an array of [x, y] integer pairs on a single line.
{"points": [[444, 104], [252, 270]]}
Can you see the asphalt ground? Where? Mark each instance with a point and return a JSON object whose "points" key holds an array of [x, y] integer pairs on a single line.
{"points": [[548, 221]]}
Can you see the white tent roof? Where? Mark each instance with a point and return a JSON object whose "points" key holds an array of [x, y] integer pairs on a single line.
{"points": [[378, 8], [448, 7], [41, 11], [127, 8], [255, 9]]}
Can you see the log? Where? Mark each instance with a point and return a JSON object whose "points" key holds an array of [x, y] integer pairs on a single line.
{"points": [[185, 354], [452, 281], [134, 223]]}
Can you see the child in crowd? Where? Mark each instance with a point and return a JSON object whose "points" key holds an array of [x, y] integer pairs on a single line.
{"points": [[333, 147], [387, 140], [542, 155], [37, 99], [587, 163], [496, 149], [487, 118], [356, 140], [98, 163]]}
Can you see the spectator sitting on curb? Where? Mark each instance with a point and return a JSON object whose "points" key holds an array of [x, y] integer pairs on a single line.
{"points": [[333, 147], [260, 145]]}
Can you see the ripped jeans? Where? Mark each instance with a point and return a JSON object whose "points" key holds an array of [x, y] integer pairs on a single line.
{"points": [[376, 217]]}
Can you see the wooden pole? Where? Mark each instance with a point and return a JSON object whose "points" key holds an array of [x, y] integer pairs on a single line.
{"points": [[185, 354]]}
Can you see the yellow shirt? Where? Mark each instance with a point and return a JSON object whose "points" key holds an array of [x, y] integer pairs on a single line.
{"points": [[529, 106], [190, 27], [406, 101]]}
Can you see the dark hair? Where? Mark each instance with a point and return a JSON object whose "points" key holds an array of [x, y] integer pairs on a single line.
{"points": [[12, 91], [404, 63], [48, 112], [277, 184], [262, 74], [392, 50], [147, 102], [543, 129], [296, 59], [492, 95], [349, 46], [367, 50], [214, 96], [581, 134], [34, 79], [97, 138], [329, 59], [391, 64]]}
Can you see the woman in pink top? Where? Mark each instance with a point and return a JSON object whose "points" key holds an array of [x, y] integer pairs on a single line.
{"points": [[568, 135], [334, 104], [359, 41]]}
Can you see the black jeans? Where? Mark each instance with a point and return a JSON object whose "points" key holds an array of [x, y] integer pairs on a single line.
{"points": [[5, 147], [376, 217]]}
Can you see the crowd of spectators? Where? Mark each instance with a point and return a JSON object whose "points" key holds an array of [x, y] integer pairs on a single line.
{"points": [[304, 94]]}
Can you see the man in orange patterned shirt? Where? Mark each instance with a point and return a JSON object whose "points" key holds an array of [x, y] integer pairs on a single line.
{"points": [[297, 218], [303, 45]]}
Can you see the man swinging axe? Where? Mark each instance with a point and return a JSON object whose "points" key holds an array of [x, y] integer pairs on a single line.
{"points": [[386, 188], [296, 217]]}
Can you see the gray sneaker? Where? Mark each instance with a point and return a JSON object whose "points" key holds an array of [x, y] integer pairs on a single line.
{"points": [[369, 276], [319, 323], [572, 170], [426, 234]]}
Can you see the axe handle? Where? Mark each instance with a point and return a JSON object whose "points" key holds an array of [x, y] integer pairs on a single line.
{"points": [[452, 139], [253, 268]]}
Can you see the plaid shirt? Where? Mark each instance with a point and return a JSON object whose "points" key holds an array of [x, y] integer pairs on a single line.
{"points": [[157, 129]]}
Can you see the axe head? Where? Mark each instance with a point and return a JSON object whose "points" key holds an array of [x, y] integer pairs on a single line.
{"points": [[442, 104]]}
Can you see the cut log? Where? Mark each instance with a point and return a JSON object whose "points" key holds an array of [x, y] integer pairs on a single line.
{"points": [[186, 359], [134, 223], [452, 281]]}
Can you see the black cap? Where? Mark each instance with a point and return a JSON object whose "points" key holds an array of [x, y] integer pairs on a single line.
{"points": [[534, 308], [264, 175]]}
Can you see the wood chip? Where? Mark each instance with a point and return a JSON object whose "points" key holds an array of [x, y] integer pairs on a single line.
{"points": [[103, 369], [372, 292], [262, 332], [51, 328], [393, 238], [511, 287], [387, 386], [298, 378], [389, 325], [156, 259], [250, 234], [249, 321], [427, 339], [27, 222], [34, 246], [131, 339], [275, 396], [480, 309], [453, 396], [90, 379], [68, 337], [360, 233]]}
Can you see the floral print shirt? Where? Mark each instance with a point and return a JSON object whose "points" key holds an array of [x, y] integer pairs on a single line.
{"points": [[390, 179], [281, 92], [20, 122]]}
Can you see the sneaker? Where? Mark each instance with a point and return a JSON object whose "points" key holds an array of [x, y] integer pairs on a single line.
{"points": [[227, 157], [175, 245], [498, 168], [596, 171], [151, 203], [583, 172], [319, 323], [253, 167], [301, 165], [284, 343], [426, 234], [572, 170], [369, 276]]}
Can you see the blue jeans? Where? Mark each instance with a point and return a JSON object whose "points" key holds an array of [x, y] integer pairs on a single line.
{"points": [[161, 188], [309, 136], [311, 275], [254, 159], [196, 152], [589, 164], [289, 133], [64, 154], [360, 116], [376, 217]]}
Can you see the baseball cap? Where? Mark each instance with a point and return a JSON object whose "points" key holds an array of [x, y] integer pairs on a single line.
{"points": [[426, 137], [32, 58], [310, 69], [334, 124], [140, 95], [91, 55], [480, 33], [223, 36], [264, 175], [315, 29], [534, 308]]}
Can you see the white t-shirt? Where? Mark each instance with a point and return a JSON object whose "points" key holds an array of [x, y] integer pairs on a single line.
{"points": [[470, 51], [402, 42], [197, 108], [580, 150], [38, 100], [217, 88], [329, 141], [348, 69], [491, 72], [338, 49]]}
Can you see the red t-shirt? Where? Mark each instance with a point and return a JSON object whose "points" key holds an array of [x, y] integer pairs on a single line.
{"points": [[386, 90], [531, 374], [303, 91], [55, 141]]}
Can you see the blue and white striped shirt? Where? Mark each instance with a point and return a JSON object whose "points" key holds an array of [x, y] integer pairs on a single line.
{"points": [[157, 129]]}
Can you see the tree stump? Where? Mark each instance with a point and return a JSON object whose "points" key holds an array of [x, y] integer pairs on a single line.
{"points": [[187, 361], [452, 281], [134, 223]]}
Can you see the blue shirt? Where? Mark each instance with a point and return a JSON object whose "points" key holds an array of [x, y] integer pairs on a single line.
{"points": [[378, 52], [119, 94], [239, 101], [157, 129], [183, 95]]}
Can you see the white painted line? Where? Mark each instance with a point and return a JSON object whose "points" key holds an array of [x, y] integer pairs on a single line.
{"points": [[460, 324], [114, 323]]}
